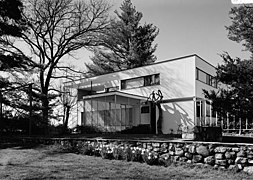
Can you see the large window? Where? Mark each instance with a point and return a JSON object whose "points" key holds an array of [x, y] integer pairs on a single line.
{"points": [[143, 81], [206, 78]]}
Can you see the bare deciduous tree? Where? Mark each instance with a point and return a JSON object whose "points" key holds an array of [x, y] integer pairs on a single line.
{"points": [[58, 28]]}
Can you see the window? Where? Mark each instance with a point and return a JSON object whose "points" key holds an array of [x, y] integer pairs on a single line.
{"points": [[111, 89], [143, 81], [206, 78], [144, 109]]}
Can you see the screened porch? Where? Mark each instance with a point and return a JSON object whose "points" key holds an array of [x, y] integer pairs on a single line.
{"points": [[112, 111]]}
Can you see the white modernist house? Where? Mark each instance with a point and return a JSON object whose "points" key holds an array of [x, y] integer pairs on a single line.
{"points": [[118, 101]]}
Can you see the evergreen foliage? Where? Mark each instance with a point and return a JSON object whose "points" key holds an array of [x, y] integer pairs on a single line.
{"points": [[235, 75], [127, 44]]}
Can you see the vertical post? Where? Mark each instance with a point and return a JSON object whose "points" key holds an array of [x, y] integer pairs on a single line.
{"points": [[211, 115], [227, 120], [91, 110], [115, 112], [97, 113], [240, 123], [234, 123], [200, 113], [205, 113], [247, 123], [1, 106], [195, 114], [30, 109], [216, 118]]}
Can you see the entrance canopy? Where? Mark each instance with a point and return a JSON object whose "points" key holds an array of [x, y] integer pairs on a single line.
{"points": [[113, 94]]}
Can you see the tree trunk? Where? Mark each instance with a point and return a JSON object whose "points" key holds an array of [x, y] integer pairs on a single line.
{"points": [[45, 115]]}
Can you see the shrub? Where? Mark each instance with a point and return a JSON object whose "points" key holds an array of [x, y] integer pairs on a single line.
{"points": [[106, 152], [86, 148], [150, 157]]}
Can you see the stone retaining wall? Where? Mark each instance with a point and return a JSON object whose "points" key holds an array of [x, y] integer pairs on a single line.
{"points": [[219, 155]]}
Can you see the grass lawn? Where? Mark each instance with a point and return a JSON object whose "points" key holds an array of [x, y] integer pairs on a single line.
{"points": [[45, 162]]}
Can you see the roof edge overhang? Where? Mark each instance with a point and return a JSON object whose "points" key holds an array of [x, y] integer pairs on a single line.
{"points": [[115, 93]]}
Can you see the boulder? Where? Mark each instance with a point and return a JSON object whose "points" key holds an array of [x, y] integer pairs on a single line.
{"points": [[183, 159], [196, 158], [230, 155], [236, 149], [241, 160], [189, 161], [172, 153], [241, 153], [209, 160], [219, 156], [221, 162], [202, 150], [248, 169], [220, 149], [231, 161], [234, 168], [250, 161], [188, 155], [179, 152], [175, 158], [192, 149]]}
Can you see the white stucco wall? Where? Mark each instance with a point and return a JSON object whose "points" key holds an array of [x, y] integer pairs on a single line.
{"points": [[177, 79], [177, 114]]}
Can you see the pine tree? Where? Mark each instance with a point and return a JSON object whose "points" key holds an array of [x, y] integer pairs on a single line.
{"points": [[127, 44]]}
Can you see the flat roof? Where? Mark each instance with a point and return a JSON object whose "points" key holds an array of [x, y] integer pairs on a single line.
{"points": [[159, 62]]}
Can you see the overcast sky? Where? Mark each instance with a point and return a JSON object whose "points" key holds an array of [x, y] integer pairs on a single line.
{"points": [[187, 27]]}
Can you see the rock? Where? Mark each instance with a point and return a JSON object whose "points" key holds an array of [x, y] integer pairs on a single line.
{"points": [[236, 149], [230, 155], [220, 149], [202, 150], [216, 166], [241, 160], [156, 149], [164, 145], [222, 167], [250, 156], [175, 158], [188, 155], [172, 153], [219, 156], [230, 161], [221, 162], [241, 153], [209, 160], [179, 152], [165, 156], [189, 161], [171, 147], [233, 168], [250, 161], [179, 145], [192, 149], [196, 158], [248, 169], [239, 166], [183, 159]]}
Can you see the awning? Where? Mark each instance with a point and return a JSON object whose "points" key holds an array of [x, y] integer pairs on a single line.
{"points": [[115, 93]]}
